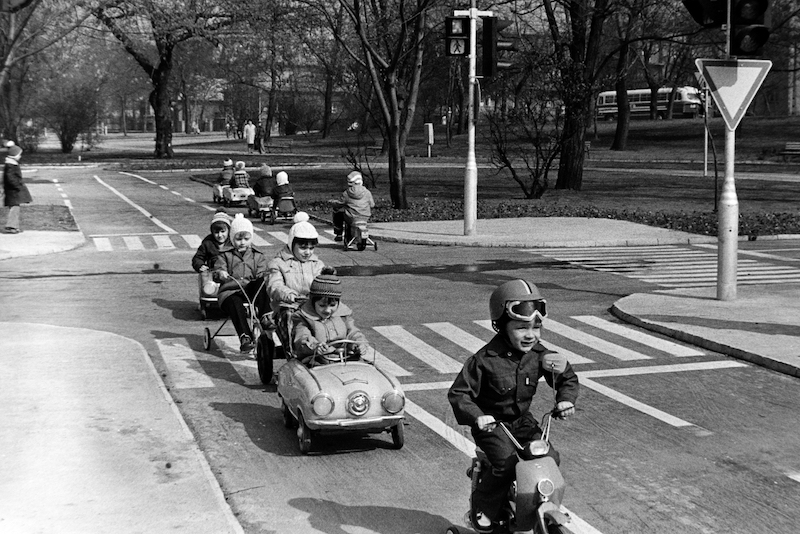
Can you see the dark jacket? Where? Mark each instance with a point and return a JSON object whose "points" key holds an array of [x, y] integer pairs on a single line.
{"points": [[263, 186], [206, 253], [243, 267], [280, 191], [501, 381], [15, 191]]}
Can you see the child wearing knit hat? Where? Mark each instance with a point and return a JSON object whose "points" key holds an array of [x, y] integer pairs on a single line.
{"points": [[241, 270], [324, 318], [282, 187], [15, 191], [203, 259], [355, 204]]}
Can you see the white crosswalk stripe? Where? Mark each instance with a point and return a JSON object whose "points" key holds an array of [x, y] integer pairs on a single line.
{"points": [[164, 242], [669, 265], [402, 353]]}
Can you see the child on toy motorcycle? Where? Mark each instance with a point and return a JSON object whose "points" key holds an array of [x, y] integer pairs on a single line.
{"points": [[324, 318], [356, 203], [498, 384]]}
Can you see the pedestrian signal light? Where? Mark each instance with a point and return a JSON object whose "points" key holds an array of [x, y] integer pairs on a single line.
{"points": [[750, 26], [456, 36]]}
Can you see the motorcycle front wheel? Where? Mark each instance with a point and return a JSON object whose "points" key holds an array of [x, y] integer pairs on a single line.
{"points": [[555, 528]]}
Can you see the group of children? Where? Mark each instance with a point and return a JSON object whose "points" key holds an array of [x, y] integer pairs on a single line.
{"points": [[294, 282]]}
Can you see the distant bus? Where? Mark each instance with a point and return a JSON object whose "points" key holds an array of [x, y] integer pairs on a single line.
{"points": [[687, 103]]}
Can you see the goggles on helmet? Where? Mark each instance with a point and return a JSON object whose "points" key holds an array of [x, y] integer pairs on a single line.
{"points": [[526, 310]]}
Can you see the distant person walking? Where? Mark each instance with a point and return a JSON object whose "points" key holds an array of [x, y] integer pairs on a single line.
{"points": [[14, 189], [259, 138], [250, 135]]}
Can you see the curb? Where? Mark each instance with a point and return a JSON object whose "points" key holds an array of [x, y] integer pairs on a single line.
{"points": [[704, 343]]}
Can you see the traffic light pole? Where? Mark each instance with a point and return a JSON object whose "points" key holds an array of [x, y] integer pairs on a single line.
{"points": [[728, 214], [471, 171]]}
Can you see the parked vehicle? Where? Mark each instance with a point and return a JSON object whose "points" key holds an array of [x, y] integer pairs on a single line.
{"points": [[687, 103]]}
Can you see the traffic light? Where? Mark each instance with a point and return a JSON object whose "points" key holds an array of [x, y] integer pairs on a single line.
{"points": [[708, 13], [456, 36], [750, 26], [494, 43]]}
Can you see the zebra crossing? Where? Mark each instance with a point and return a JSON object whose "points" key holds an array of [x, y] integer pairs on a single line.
{"points": [[670, 265], [167, 241], [429, 350]]}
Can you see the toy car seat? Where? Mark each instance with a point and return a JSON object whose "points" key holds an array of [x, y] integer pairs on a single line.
{"points": [[285, 208]]}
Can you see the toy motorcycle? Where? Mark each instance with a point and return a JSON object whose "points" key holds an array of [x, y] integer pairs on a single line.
{"points": [[534, 500]]}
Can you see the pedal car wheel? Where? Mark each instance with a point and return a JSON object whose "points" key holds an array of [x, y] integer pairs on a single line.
{"points": [[288, 418], [452, 530], [303, 434], [398, 436], [264, 359], [206, 339]]}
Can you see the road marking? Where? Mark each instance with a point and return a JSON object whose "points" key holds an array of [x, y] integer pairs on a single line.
{"points": [[640, 337], [163, 242], [192, 240], [102, 243], [388, 365], [419, 349], [655, 369], [621, 353], [794, 475], [136, 206], [260, 241], [456, 335], [754, 253], [183, 365], [133, 243]]}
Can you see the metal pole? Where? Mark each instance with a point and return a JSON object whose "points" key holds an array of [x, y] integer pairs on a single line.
{"points": [[471, 172], [705, 131], [728, 226]]}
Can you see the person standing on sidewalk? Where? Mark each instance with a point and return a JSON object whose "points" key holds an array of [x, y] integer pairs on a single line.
{"points": [[250, 136], [13, 188]]}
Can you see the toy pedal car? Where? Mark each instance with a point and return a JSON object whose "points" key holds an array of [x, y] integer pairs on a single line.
{"points": [[356, 235], [284, 208], [258, 206], [236, 195], [207, 293]]}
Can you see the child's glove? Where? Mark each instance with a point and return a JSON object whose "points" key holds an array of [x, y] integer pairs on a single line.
{"points": [[564, 409], [486, 423]]}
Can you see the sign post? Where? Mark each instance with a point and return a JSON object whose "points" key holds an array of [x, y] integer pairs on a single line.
{"points": [[733, 84]]}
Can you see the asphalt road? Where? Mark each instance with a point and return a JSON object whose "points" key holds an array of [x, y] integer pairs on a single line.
{"points": [[667, 439]]}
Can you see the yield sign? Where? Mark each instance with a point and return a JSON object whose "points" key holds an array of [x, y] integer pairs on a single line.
{"points": [[733, 84]]}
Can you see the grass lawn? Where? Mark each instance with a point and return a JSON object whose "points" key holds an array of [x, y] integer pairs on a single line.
{"points": [[657, 180]]}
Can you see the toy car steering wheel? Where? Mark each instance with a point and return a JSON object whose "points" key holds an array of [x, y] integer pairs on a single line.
{"points": [[339, 354]]}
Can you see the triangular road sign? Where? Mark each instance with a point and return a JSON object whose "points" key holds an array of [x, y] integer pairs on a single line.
{"points": [[733, 84]]}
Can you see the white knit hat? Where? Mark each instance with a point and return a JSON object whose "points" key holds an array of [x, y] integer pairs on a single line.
{"points": [[281, 178], [354, 178], [301, 228], [240, 165], [241, 224], [228, 162]]}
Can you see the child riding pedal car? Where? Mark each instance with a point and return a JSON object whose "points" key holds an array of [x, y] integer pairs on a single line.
{"points": [[498, 383], [241, 269], [324, 318], [203, 259]]}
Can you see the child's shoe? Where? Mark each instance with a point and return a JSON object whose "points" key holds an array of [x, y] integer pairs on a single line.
{"points": [[246, 343]]}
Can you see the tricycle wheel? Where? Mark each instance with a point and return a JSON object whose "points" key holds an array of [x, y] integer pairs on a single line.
{"points": [[452, 530], [265, 351], [303, 434], [206, 339], [288, 418], [398, 436]]}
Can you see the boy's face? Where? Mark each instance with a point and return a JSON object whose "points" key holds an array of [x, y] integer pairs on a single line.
{"points": [[303, 251], [221, 234], [326, 306], [242, 241], [524, 335]]}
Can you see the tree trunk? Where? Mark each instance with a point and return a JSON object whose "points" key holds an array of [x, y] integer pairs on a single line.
{"points": [[623, 110], [397, 168], [326, 116], [160, 101]]}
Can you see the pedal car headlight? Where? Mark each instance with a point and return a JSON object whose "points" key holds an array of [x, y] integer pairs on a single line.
{"points": [[322, 404], [393, 402], [358, 403], [545, 487], [538, 447]]}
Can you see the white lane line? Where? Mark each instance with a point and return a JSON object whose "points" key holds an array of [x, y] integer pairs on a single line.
{"points": [[164, 187], [640, 337], [192, 240], [142, 178], [388, 365], [163, 242], [182, 364], [636, 405], [68, 204], [572, 357], [283, 237], [260, 241], [133, 243], [794, 475], [103, 244], [657, 369], [754, 253], [456, 335], [621, 353], [136, 206], [419, 349]]}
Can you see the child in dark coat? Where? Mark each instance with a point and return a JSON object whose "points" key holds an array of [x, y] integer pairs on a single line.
{"points": [[203, 259], [14, 189]]}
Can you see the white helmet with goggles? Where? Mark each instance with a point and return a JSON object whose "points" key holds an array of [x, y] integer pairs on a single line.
{"points": [[519, 300]]}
